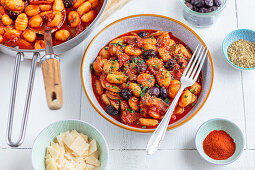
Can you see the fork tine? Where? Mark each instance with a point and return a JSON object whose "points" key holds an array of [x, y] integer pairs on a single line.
{"points": [[201, 64], [194, 62], [198, 63], [193, 56]]}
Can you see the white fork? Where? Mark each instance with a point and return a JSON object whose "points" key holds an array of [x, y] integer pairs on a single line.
{"points": [[188, 78]]}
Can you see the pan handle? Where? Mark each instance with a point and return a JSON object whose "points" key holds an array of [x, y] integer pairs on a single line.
{"points": [[51, 74], [52, 81], [27, 102]]}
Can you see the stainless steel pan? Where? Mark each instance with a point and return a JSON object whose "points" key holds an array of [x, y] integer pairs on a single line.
{"points": [[35, 55]]}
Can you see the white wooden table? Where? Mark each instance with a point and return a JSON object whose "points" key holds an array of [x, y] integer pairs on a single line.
{"points": [[232, 97]]}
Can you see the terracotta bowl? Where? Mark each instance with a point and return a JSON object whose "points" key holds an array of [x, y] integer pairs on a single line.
{"points": [[138, 22]]}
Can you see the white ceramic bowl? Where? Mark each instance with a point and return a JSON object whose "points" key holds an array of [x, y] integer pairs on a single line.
{"points": [[220, 124], [48, 135], [139, 22]]}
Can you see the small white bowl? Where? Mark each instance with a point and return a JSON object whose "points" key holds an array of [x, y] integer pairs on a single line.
{"points": [[220, 124], [50, 132]]}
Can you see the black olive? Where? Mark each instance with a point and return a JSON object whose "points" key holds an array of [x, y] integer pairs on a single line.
{"points": [[149, 53], [111, 110], [126, 94], [13, 15], [163, 93], [154, 91], [170, 64], [217, 3], [189, 5], [142, 68], [209, 3], [142, 34], [198, 3], [195, 8], [213, 8], [204, 10], [68, 3]]}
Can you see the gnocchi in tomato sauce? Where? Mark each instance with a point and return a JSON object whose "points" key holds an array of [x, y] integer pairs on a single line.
{"points": [[22, 19], [136, 76]]}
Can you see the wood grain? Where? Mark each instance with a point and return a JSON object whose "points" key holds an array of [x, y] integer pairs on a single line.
{"points": [[111, 7], [52, 83]]}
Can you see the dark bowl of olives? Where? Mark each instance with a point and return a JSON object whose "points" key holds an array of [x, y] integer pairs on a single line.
{"points": [[202, 13]]}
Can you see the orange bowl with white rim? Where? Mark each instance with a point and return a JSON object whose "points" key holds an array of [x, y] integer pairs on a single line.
{"points": [[145, 22]]}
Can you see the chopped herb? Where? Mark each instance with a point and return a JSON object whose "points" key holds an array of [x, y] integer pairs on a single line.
{"points": [[144, 49], [130, 111], [114, 44], [185, 96], [118, 79], [135, 40], [138, 122], [157, 85], [91, 67], [167, 101], [193, 104], [127, 84], [114, 87], [156, 66], [143, 127], [120, 44], [106, 48]]}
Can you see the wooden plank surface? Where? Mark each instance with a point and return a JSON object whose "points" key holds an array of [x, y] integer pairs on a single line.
{"points": [[245, 15], [40, 116], [221, 103], [231, 98]]}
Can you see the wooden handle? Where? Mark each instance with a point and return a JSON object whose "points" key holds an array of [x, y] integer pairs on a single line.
{"points": [[52, 83]]}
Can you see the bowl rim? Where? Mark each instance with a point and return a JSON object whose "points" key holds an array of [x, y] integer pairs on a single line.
{"points": [[230, 122], [76, 120], [220, 8], [130, 127], [226, 55]]}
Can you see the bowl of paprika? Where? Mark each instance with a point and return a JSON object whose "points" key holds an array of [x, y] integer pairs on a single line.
{"points": [[219, 141]]}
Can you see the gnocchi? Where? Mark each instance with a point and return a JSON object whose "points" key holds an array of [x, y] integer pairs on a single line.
{"points": [[39, 15], [29, 35], [89, 16], [62, 35], [32, 10], [140, 76], [35, 21], [73, 19], [21, 22]]}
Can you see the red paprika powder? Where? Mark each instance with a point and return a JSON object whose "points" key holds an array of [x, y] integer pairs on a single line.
{"points": [[219, 145]]}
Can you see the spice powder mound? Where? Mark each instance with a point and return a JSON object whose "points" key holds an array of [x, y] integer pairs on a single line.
{"points": [[242, 53], [219, 145]]}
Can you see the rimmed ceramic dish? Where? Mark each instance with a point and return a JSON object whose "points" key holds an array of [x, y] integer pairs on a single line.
{"points": [[50, 132], [139, 22], [245, 34], [220, 124]]}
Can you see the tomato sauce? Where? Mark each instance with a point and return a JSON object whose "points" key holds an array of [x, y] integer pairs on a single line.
{"points": [[23, 44], [176, 74]]}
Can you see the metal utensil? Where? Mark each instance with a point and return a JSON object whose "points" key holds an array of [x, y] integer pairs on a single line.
{"points": [[50, 64], [34, 55], [188, 78]]}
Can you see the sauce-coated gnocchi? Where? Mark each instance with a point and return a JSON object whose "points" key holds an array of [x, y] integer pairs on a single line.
{"points": [[26, 18], [137, 75]]}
